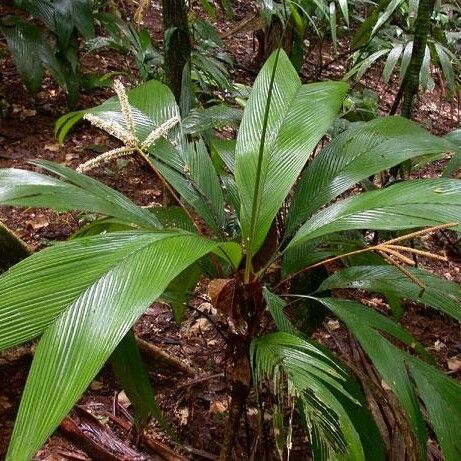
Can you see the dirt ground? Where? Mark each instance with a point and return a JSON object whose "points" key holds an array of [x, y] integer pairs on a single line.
{"points": [[196, 405]]}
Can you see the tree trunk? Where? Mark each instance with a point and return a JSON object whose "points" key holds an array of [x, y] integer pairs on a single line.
{"points": [[410, 84], [177, 43], [275, 36], [12, 249]]}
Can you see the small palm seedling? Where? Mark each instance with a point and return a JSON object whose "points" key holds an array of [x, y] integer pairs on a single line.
{"points": [[272, 213]]}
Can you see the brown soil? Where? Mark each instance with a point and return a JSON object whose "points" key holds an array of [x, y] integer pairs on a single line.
{"points": [[196, 408]]}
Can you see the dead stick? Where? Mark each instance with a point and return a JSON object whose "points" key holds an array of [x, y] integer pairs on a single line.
{"points": [[156, 356], [160, 449]]}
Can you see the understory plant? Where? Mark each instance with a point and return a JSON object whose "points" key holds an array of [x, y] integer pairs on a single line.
{"points": [[276, 221], [390, 31], [49, 40]]}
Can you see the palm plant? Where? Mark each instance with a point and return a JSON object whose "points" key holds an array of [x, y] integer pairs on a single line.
{"points": [[262, 238], [297, 17], [205, 68], [382, 37], [125, 37], [53, 45]]}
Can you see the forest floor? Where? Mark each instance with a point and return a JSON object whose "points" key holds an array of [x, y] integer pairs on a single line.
{"points": [[195, 405]]}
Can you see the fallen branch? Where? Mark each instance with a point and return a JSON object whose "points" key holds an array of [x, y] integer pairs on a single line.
{"points": [[97, 440], [158, 357], [158, 448]]}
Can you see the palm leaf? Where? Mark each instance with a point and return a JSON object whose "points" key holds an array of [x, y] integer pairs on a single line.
{"points": [[382, 19], [391, 61], [362, 66], [320, 386], [299, 257], [282, 123], [191, 172], [94, 319], [446, 64], [388, 280], [404, 205], [455, 162], [218, 116], [225, 149], [398, 369], [360, 417], [130, 372], [12, 248], [406, 57], [442, 398], [354, 155], [25, 42], [76, 192]]}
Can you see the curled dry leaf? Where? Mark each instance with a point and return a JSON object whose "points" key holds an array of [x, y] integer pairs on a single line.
{"points": [[454, 363]]}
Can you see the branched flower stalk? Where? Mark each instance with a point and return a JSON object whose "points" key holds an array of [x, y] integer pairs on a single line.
{"points": [[391, 252], [132, 144]]}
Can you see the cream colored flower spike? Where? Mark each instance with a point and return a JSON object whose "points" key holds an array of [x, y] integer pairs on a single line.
{"points": [[129, 138], [125, 106]]}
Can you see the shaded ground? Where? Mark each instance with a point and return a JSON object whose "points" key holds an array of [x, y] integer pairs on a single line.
{"points": [[195, 406]]}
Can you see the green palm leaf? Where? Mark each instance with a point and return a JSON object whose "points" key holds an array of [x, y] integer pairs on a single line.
{"points": [[406, 375], [388, 280], [442, 398], [281, 125], [356, 408], [93, 322], [362, 66], [217, 116], [38, 289], [391, 61], [455, 162], [191, 172], [26, 44], [402, 206], [356, 154], [322, 390], [76, 192], [131, 373]]}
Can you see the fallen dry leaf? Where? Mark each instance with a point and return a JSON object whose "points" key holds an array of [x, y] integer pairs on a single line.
{"points": [[123, 399], [200, 326], [38, 223], [218, 407], [454, 363], [438, 346], [4, 403], [183, 414], [52, 147], [96, 385], [333, 324]]}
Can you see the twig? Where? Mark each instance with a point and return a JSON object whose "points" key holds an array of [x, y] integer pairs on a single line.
{"points": [[160, 449], [200, 380], [202, 453], [154, 354]]}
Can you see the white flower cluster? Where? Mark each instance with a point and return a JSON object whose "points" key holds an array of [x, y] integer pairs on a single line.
{"points": [[127, 136]]}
